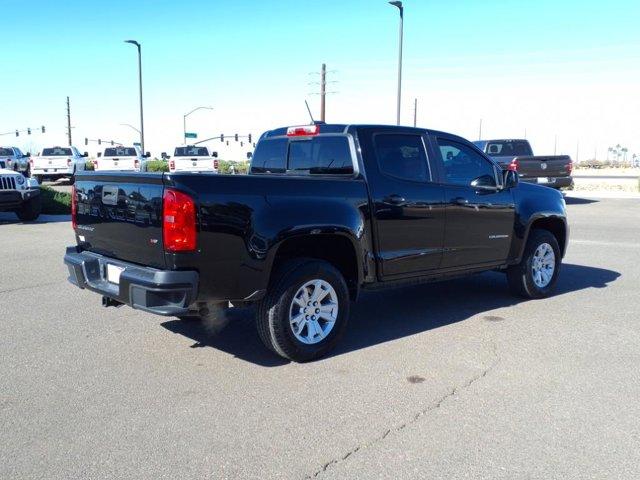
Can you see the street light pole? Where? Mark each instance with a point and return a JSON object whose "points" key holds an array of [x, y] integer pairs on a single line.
{"points": [[133, 42], [401, 10], [184, 121]]}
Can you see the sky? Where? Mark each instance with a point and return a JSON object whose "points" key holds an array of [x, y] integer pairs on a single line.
{"points": [[565, 72]]}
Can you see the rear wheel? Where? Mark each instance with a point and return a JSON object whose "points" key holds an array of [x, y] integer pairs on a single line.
{"points": [[537, 273], [30, 210], [305, 311]]}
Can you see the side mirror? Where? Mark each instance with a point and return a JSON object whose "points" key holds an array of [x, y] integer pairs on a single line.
{"points": [[28, 154], [85, 154], [147, 155], [511, 179], [249, 155], [164, 155], [214, 154], [485, 182]]}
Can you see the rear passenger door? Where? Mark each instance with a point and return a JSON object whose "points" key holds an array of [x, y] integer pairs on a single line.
{"points": [[408, 208]]}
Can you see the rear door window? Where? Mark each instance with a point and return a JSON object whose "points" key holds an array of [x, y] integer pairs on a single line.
{"points": [[402, 156]]}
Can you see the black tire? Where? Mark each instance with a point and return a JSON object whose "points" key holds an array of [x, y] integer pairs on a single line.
{"points": [[39, 179], [27, 172], [273, 311], [520, 276], [30, 210]]}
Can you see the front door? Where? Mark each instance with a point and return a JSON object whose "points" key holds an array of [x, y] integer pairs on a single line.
{"points": [[479, 219], [408, 206]]}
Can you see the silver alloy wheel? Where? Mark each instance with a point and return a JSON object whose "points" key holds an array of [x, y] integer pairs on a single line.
{"points": [[543, 265], [313, 312]]}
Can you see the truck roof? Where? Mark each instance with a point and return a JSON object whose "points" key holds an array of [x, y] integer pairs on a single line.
{"points": [[343, 128]]}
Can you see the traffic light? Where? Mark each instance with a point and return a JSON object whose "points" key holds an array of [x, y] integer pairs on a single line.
{"points": [[222, 137], [242, 144], [249, 138], [17, 133], [86, 141], [28, 131], [99, 142], [227, 142], [43, 129], [236, 137]]}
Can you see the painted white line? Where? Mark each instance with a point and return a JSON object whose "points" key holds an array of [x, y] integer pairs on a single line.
{"points": [[605, 244]]}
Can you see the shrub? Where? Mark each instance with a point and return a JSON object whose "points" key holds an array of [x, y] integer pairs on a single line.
{"points": [[225, 166], [88, 166], [157, 166], [55, 202]]}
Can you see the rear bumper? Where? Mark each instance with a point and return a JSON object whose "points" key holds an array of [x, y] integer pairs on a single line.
{"points": [[552, 182], [163, 292], [52, 171]]}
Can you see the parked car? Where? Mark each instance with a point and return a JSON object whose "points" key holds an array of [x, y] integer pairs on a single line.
{"points": [[19, 194], [326, 212], [58, 162], [192, 158], [12, 158], [120, 159], [550, 170]]}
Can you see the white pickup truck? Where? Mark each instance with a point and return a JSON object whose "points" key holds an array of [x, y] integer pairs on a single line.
{"points": [[120, 159], [12, 158], [58, 162], [191, 158]]}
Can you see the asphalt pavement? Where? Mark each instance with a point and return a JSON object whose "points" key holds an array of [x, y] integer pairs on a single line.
{"points": [[450, 380]]}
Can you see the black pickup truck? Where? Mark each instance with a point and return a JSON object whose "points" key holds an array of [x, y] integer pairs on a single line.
{"points": [[325, 212], [515, 154]]}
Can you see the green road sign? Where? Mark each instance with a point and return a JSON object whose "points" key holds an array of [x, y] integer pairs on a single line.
{"points": [[190, 135]]}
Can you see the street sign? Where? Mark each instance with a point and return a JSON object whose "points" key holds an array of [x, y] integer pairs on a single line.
{"points": [[190, 135]]}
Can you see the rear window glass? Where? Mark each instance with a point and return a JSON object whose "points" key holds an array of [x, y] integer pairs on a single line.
{"points": [[52, 152], [191, 152], [316, 155], [270, 156], [515, 149], [120, 152], [328, 155], [6, 152]]}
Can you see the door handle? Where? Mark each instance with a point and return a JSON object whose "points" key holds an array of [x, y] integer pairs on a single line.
{"points": [[460, 201], [394, 199]]}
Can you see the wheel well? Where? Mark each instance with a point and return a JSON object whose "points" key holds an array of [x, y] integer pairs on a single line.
{"points": [[335, 249], [554, 225]]}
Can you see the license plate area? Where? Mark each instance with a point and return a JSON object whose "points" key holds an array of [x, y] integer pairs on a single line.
{"points": [[113, 273], [546, 180]]}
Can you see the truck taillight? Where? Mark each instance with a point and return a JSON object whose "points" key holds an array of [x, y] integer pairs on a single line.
{"points": [[569, 167], [95, 164], [178, 221], [74, 207], [513, 165], [68, 162], [215, 164], [172, 165], [136, 164], [31, 163]]}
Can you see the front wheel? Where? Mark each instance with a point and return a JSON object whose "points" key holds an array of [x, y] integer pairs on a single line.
{"points": [[30, 210], [537, 273], [305, 311]]}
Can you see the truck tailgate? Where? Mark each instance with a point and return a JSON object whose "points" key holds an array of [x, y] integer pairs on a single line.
{"points": [[56, 161], [544, 166], [120, 215]]}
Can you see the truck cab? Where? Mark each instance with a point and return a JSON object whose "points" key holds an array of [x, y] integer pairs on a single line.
{"points": [[193, 158], [120, 159]]}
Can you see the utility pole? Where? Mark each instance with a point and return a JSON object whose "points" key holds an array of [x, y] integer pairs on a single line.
{"points": [[578, 151], [69, 121], [480, 131], [323, 91], [415, 112], [525, 133], [555, 143]]}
